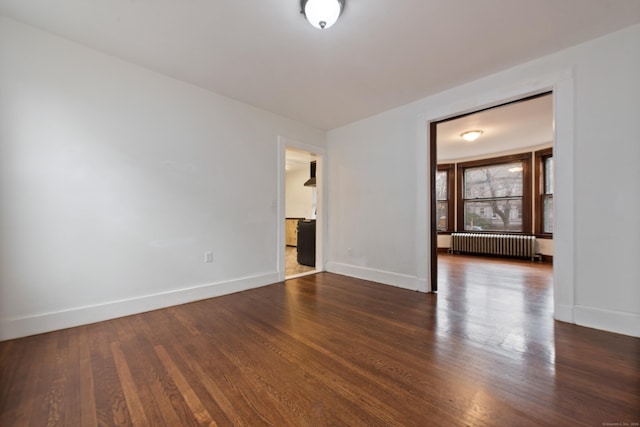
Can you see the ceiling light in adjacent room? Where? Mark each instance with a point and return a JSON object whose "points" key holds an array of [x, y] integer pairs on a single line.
{"points": [[321, 13], [471, 135]]}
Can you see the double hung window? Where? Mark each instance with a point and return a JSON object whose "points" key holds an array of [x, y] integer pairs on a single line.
{"points": [[494, 195], [544, 185]]}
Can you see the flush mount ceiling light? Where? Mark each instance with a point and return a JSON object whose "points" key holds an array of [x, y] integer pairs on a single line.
{"points": [[321, 13], [471, 135]]}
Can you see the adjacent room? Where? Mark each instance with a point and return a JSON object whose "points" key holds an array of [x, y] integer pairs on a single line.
{"points": [[301, 204], [494, 182], [215, 213]]}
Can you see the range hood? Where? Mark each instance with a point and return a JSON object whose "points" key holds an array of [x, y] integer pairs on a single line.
{"points": [[311, 182]]}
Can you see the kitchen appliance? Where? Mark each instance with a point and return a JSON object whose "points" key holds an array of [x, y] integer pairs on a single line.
{"points": [[307, 242], [311, 182]]}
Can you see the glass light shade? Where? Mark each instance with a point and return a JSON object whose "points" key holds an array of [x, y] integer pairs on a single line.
{"points": [[322, 13], [471, 136]]}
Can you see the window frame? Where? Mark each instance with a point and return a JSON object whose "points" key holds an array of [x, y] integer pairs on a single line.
{"points": [[451, 213], [525, 158], [541, 156]]}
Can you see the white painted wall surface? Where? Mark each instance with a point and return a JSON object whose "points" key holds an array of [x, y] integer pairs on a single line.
{"points": [[298, 198], [372, 199], [115, 180], [378, 181]]}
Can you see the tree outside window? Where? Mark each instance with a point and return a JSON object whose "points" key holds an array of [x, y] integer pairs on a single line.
{"points": [[494, 197]]}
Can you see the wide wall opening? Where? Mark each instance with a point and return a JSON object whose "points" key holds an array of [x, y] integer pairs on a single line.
{"points": [[493, 185]]}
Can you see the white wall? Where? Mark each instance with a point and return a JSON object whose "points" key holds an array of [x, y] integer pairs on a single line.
{"points": [[299, 203], [115, 180], [378, 180]]}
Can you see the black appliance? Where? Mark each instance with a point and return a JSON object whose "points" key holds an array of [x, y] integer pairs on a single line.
{"points": [[311, 182], [307, 242]]}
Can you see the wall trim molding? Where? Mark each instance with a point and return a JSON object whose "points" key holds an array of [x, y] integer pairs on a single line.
{"points": [[398, 280], [561, 83], [46, 322], [563, 313], [322, 232], [608, 320]]}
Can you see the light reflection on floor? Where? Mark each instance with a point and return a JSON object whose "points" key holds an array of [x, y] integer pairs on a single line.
{"points": [[501, 304]]}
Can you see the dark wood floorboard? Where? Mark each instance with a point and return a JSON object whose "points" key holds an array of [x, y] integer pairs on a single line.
{"points": [[328, 350]]}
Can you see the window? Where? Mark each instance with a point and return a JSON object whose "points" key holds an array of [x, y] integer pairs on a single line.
{"points": [[544, 190], [444, 197], [493, 196]]}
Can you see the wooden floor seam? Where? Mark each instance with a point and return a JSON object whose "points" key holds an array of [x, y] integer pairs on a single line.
{"points": [[331, 350]]}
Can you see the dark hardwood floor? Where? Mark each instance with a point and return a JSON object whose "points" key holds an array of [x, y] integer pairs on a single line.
{"points": [[330, 350]]}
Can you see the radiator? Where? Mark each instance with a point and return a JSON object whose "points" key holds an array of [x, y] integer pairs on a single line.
{"points": [[494, 244]]}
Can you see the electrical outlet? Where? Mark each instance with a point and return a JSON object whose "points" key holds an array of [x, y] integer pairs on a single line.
{"points": [[208, 257]]}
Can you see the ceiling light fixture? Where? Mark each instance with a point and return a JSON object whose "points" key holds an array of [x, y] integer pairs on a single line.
{"points": [[471, 135], [321, 13]]}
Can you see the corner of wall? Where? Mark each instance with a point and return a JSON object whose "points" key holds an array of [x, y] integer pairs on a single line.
{"points": [[46, 322], [385, 277], [608, 320]]}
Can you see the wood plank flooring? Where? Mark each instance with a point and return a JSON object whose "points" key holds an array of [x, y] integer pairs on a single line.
{"points": [[327, 350]]}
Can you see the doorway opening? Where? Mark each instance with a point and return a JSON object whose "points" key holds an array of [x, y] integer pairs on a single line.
{"points": [[300, 210], [301, 201], [500, 184]]}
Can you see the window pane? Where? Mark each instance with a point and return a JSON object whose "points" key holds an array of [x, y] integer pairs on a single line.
{"points": [[493, 215], [548, 175], [547, 215], [441, 185], [443, 216], [485, 182]]}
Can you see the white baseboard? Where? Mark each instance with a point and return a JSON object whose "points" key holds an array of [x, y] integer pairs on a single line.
{"points": [[612, 321], [608, 320], [563, 313], [46, 322], [385, 277]]}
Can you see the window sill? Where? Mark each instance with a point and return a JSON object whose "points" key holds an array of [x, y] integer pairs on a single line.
{"points": [[544, 236]]}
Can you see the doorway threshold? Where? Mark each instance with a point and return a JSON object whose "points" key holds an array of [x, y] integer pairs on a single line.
{"points": [[306, 273]]}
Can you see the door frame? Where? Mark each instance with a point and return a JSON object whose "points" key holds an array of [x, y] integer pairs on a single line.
{"points": [[283, 144], [562, 86], [433, 164]]}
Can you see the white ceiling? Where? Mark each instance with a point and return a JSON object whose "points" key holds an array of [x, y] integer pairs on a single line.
{"points": [[511, 127], [379, 55]]}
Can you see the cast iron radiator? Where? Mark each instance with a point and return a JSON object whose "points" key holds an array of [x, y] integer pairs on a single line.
{"points": [[494, 244]]}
